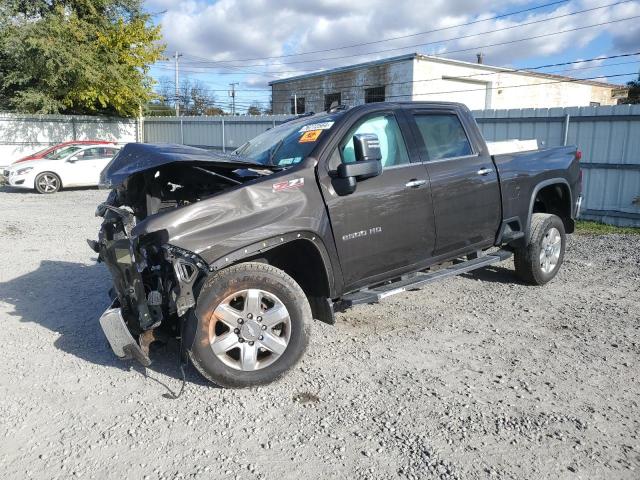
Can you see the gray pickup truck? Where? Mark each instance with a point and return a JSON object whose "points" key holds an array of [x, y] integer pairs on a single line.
{"points": [[235, 255]]}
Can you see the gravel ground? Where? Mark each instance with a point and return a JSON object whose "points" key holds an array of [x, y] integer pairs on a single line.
{"points": [[475, 377]]}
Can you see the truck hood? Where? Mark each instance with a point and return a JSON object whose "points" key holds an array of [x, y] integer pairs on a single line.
{"points": [[139, 157]]}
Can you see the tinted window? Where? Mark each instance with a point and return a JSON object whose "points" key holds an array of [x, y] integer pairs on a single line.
{"points": [[394, 150], [443, 136]]}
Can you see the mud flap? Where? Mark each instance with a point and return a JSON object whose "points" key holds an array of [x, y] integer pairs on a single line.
{"points": [[121, 341]]}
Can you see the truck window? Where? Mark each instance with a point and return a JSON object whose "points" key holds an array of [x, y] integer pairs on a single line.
{"points": [[443, 136], [394, 150]]}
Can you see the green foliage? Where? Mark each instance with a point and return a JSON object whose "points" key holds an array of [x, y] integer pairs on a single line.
{"points": [[597, 228], [634, 92], [76, 56]]}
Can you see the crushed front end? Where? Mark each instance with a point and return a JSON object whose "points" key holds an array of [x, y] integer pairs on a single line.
{"points": [[153, 283], [153, 280]]}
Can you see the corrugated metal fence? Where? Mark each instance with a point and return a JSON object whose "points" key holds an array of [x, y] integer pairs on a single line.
{"points": [[219, 133], [609, 138]]}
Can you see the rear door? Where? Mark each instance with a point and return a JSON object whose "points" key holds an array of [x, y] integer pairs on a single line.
{"points": [[464, 181], [386, 225]]}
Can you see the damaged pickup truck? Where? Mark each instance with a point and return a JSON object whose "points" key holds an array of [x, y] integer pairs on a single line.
{"points": [[236, 254]]}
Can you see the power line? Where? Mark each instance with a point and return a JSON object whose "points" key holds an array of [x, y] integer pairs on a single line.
{"points": [[475, 75], [390, 38], [463, 37]]}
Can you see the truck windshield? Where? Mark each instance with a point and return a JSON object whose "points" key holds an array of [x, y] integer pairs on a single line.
{"points": [[287, 144]]}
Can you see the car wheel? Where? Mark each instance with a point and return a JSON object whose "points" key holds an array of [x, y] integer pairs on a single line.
{"points": [[47, 182], [252, 325], [540, 260]]}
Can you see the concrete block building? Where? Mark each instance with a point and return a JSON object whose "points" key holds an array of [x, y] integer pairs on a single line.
{"points": [[416, 77]]}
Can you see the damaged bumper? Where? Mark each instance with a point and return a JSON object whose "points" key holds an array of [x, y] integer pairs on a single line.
{"points": [[119, 337], [153, 285]]}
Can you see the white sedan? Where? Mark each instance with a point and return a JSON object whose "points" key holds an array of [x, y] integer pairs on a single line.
{"points": [[74, 166]]}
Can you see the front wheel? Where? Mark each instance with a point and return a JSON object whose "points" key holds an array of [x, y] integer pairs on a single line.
{"points": [[47, 182], [540, 260], [253, 322]]}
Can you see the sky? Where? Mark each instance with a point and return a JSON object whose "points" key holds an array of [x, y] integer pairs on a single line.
{"points": [[253, 42]]}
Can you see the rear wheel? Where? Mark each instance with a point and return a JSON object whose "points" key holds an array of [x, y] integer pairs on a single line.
{"points": [[252, 325], [540, 260], [47, 182]]}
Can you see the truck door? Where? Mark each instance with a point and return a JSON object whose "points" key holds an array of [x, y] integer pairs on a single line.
{"points": [[386, 225], [464, 182]]}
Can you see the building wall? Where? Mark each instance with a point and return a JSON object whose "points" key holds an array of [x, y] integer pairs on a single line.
{"points": [[487, 88], [397, 76]]}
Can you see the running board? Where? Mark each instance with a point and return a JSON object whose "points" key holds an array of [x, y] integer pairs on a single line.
{"points": [[419, 280]]}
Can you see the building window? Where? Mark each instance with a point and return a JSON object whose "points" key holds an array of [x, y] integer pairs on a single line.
{"points": [[329, 98], [300, 103], [372, 95]]}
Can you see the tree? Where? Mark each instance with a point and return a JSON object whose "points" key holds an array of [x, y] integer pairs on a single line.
{"points": [[255, 108], [194, 97], [76, 56], [634, 92]]}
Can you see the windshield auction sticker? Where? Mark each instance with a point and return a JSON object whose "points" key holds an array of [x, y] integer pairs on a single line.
{"points": [[316, 126], [310, 136]]}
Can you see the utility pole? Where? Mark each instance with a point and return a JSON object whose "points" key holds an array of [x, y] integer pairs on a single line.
{"points": [[232, 94], [295, 104], [176, 57]]}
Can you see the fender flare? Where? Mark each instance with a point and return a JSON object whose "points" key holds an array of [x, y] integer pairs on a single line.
{"points": [[270, 243], [540, 186]]}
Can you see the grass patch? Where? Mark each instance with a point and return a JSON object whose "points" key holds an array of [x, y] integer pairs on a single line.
{"points": [[597, 228]]}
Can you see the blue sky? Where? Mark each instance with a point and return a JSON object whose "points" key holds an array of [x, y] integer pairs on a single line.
{"points": [[221, 41]]}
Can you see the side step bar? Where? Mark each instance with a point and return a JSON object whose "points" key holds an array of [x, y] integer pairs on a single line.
{"points": [[418, 280]]}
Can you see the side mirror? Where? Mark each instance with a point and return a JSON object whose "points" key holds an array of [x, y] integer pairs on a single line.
{"points": [[73, 159], [368, 164], [366, 146]]}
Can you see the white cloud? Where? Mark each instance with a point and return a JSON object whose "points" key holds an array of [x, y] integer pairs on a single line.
{"points": [[245, 29]]}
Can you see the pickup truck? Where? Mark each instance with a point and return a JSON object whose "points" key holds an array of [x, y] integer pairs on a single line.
{"points": [[235, 254]]}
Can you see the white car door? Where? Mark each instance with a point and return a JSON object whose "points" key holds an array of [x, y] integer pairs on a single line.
{"points": [[84, 167]]}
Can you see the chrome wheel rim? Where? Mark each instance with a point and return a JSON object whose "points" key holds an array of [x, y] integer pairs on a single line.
{"points": [[48, 183], [250, 330], [550, 247]]}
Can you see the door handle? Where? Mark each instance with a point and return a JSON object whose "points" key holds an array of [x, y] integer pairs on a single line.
{"points": [[415, 183], [485, 171]]}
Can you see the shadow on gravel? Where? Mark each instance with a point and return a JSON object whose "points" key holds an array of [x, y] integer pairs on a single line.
{"points": [[10, 189], [495, 275], [68, 298]]}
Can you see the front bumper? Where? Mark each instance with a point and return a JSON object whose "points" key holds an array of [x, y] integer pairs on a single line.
{"points": [[120, 339], [18, 181]]}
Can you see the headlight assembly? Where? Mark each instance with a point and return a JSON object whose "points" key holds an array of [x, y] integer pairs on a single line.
{"points": [[22, 171]]}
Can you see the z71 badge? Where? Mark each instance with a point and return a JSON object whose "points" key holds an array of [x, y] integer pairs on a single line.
{"points": [[288, 185]]}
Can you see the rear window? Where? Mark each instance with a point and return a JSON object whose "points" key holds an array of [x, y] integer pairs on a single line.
{"points": [[443, 136]]}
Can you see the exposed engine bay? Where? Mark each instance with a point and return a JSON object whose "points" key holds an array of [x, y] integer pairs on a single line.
{"points": [[154, 281]]}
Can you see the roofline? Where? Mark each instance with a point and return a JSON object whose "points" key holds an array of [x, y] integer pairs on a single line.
{"points": [[382, 61], [412, 56]]}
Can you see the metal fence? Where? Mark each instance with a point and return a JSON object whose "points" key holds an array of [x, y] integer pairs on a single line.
{"points": [[21, 135], [219, 133], [609, 138]]}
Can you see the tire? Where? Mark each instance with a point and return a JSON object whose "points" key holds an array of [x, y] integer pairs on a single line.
{"points": [[540, 260], [47, 182], [267, 343]]}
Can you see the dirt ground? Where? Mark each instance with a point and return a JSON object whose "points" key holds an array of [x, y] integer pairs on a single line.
{"points": [[475, 377]]}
